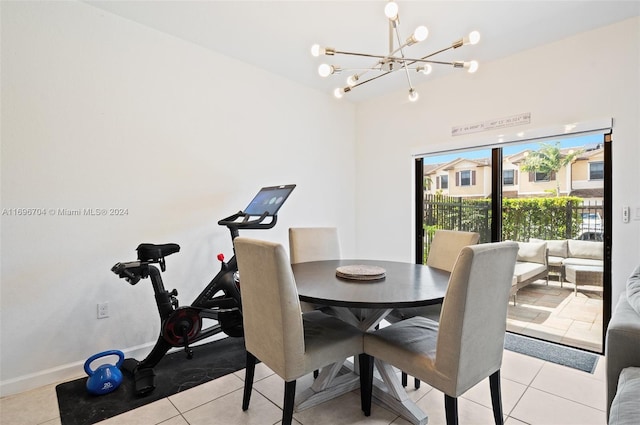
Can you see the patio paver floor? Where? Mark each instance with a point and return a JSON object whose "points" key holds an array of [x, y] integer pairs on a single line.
{"points": [[554, 313]]}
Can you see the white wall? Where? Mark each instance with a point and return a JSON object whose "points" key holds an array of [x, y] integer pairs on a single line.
{"points": [[100, 112], [586, 77]]}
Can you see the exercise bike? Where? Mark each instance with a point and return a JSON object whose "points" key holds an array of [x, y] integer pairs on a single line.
{"points": [[220, 301]]}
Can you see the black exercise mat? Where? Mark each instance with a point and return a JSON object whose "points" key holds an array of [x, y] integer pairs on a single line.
{"points": [[555, 353], [174, 373]]}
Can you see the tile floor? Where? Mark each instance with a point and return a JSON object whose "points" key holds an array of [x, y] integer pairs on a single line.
{"points": [[533, 392], [555, 314]]}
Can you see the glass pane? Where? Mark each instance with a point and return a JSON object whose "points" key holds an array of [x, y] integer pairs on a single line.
{"points": [[458, 194], [562, 206], [552, 193]]}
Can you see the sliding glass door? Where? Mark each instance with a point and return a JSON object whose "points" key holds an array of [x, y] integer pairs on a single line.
{"points": [[550, 193]]}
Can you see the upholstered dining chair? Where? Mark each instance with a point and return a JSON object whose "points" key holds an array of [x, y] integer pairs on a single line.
{"points": [[467, 345], [313, 244], [276, 332], [443, 253]]}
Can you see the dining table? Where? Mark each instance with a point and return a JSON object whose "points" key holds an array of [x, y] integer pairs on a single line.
{"points": [[363, 292]]}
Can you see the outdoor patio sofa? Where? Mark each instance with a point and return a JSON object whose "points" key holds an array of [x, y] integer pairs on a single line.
{"points": [[538, 258], [572, 252], [623, 357]]}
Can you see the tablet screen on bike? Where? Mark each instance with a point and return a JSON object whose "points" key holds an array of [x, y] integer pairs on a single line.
{"points": [[269, 199]]}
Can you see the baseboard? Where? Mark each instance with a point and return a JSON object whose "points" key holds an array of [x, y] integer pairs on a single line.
{"points": [[74, 370], [59, 374]]}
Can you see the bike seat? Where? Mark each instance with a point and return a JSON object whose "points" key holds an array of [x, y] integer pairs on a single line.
{"points": [[153, 252]]}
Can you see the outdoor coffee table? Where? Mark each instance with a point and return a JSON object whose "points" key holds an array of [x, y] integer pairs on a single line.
{"points": [[583, 275]]}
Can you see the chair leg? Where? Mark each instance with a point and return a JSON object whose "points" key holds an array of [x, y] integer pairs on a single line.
{"points": [[451, 409], [366, 382], [289, 399], [416, 383], [404, 379], [496, 397], [248, 380]]}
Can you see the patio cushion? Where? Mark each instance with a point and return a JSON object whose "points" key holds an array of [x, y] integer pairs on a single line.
{"points": [[557, 248], [554, 261], [633, 290], [625, 409], [526, 270], [585, 249], [582, 262], [533, 252]]}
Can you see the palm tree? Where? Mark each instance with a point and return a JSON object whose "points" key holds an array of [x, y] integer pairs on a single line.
{"points": [[548, 160]]}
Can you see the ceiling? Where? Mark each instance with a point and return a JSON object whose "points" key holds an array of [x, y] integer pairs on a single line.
{"points": [[277, 35]]}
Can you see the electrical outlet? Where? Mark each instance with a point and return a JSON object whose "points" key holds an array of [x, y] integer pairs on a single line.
{"points": [[103, 310]]}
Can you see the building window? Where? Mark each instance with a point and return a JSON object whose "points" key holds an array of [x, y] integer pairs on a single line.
{"points": [[541, 177], [466, 178], [596, 170], [509, 177], [444, 182]]}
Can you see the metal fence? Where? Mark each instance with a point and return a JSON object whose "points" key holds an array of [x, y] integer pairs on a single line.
{"points": [[520, 221]]}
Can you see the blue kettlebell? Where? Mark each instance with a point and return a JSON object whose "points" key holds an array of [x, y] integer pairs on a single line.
{"points": [[106, 377]]}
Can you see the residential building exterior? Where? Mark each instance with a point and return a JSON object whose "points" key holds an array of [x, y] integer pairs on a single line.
{"points": [[471, 178]]}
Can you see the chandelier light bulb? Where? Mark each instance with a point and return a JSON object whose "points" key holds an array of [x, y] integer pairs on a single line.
{"points": [[421, 33], [325, 70], [474, 37], [391, 10], [338, 93], [352, 80], [471, 66], [426, 69], [413, 95], [315, 50]]}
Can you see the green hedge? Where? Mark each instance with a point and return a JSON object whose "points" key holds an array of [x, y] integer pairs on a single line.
{"points": [[522, 218], [544, 218]]}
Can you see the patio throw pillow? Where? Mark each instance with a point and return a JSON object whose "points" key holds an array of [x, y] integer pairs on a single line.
{"points": [[532, 252], [633, 290], [557, 247]]}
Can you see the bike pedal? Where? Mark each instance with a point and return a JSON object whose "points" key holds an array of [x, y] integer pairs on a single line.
{"points": [[145, 381]]}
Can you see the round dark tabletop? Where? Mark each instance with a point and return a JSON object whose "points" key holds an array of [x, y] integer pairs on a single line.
{"points": [[405, 285]]}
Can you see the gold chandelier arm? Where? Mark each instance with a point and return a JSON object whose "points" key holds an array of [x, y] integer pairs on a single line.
{"points": [[370, 79], [438, 52], [413, 61], [404, 62]]}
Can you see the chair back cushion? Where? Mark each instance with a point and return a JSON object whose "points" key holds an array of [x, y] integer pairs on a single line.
{"points": [[474, 314], [273, 329], [446, 246], [313, 244]]}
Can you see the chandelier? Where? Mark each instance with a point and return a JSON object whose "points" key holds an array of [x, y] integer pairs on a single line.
{"points": [[395, 59]]}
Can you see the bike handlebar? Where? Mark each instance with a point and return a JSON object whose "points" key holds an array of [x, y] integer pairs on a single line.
{"points": [[247, 223], [132, 271]]}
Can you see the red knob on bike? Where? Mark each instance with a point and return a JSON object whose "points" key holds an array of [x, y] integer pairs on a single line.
{"points": [[220, 257]]}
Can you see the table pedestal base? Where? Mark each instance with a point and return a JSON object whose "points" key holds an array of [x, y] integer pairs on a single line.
{"points": [[338, 379], [341, 378], [328, 385], [390, 392]]}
